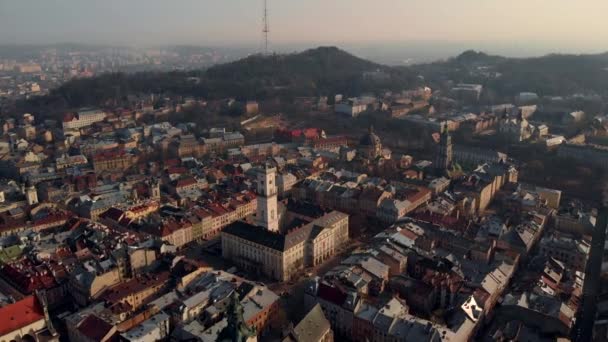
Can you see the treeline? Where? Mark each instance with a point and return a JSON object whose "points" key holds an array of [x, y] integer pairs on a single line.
{"points": [[322, 71], [551, 75]]}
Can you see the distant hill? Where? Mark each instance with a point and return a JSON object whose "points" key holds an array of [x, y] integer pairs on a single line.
{"points": [[320, 71], [472, 57], [329, 70], [555, 74], [311, 64]]}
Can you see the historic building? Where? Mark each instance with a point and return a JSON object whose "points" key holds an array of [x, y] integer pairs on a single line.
{"points": [[267, 211], [282, 256], [443, 158], [279, 255], [370, 146], [83, 118], [113, 160], [516, 129]]}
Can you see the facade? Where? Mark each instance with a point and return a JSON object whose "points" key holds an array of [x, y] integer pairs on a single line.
{"points": [[31, 195], [467, 92], [351, 108], [136, 291], [82, 119], [252, 107], [85, 285], [282, 256], [516, 129], [277, 255], [113, 161], [285, 182]]}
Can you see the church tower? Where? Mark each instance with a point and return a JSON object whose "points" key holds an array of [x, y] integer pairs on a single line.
{"points": [[267, 212], [154, 186], [443, 159], [31, 195]]}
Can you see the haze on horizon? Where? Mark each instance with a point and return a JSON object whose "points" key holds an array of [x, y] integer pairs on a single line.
{"points": [[510, 27]]}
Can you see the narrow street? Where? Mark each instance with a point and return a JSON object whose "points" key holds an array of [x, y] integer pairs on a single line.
{"points": [[583, 330]]}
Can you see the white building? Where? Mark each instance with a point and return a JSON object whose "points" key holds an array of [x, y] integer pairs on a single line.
{"points": [[525, 97], [267, 212], [352, 108], [83, 118]]}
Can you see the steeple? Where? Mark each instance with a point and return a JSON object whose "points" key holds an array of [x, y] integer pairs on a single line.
{"points": [[267, 212], [236, 330]]}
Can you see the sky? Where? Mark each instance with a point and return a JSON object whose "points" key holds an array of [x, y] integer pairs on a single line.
{"points": [[551, 25]]}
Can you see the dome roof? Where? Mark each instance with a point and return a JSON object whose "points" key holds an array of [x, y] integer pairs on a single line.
{"points": [[370, 139]]}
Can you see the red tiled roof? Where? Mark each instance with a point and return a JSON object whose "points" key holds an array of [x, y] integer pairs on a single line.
{"points": [[331, 140], [28, 277], [216, 209], [53, 217], [113, 214], [185, 182], [20, 314], [201, 213], [69, 117], [172, 162], [109, 154], [94, 328], [409, 234], [176, 170], [135, 285], [311, 133]]}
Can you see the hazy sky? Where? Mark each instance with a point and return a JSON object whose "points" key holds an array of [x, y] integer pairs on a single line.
{"points": [[572, 25]]}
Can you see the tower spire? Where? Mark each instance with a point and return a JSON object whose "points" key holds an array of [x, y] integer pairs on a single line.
{"points": [[267, 210]]}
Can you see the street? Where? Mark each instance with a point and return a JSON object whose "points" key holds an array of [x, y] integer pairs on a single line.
{"points": [[583, 330]]}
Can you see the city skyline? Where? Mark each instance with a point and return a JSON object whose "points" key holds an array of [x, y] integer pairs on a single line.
{"points": [[530, 26]]}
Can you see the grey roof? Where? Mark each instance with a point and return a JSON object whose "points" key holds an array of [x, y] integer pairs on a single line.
{"points": [[313, 326], [264, 237], [278, 241]]}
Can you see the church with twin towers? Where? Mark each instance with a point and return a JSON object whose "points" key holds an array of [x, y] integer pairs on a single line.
{"points": [[283, 237]]}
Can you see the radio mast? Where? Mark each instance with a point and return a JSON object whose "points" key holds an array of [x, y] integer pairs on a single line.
{"points": [[265, 30]]}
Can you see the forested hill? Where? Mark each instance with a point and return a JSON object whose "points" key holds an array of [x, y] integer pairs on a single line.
{"points": [[329, 70], [550, 75], [316, 64], [320, 71]]}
